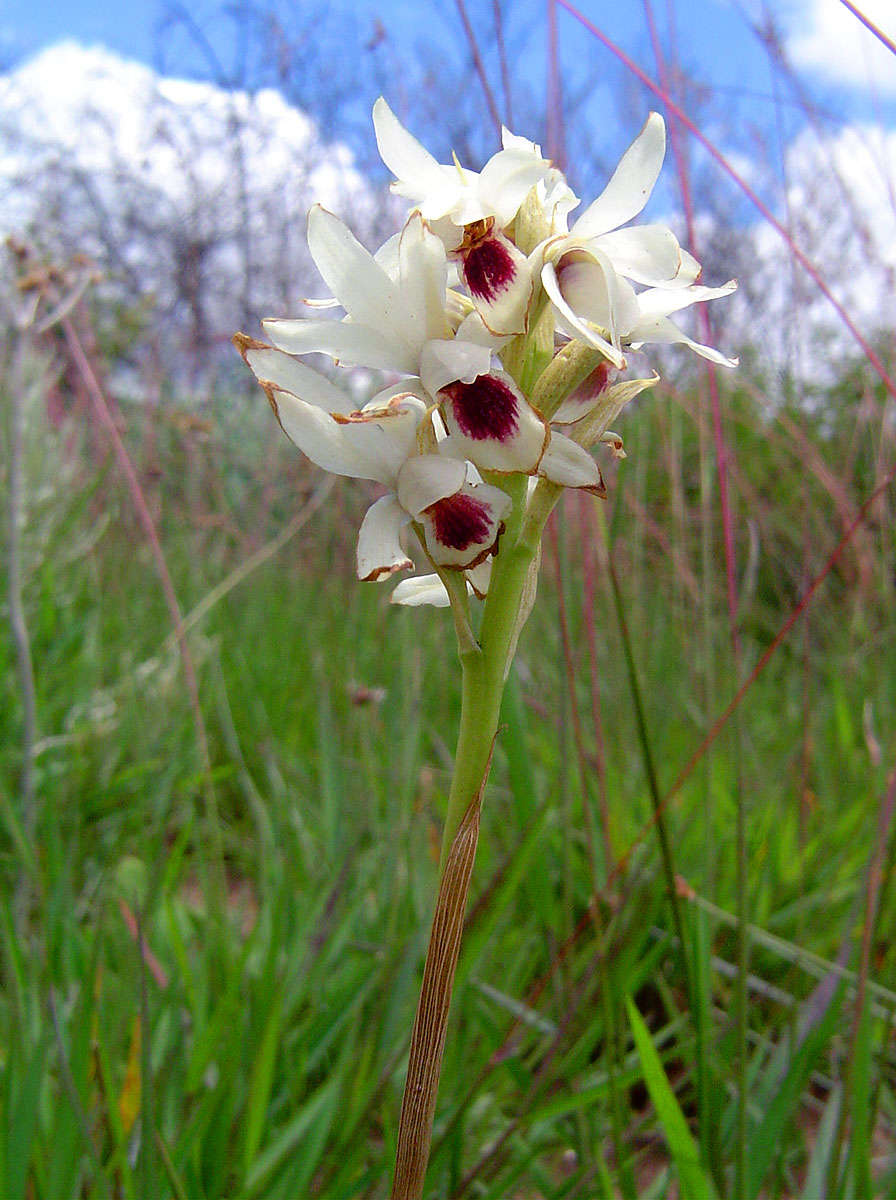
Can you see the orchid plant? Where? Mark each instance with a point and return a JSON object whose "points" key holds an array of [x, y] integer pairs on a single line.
{"points": [[505, 332]]}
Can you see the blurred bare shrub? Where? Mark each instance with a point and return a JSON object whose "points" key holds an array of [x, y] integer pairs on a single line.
{"points": [[190, 197]]}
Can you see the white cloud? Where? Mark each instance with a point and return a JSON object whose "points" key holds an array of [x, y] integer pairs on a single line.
{"points": [[827, 37], [842, 201], [183, 192]]}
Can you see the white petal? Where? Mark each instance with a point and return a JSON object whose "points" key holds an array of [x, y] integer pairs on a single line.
{"points": [[576, 327], [452, 446], [661, 301], [402, 153], [661, 329], [421, 589], [646, 253], [427, 478], [368, 447], [507, 178], [449, 233], [380, 552], [357, 281], [632, 182], [566, 463], [689, 271], [468, 205], [444, 361], [423, 277], [595, 291], [274, 366], [492, 424], [473, 329], [349, 343], [557, 200], [479, 577]]}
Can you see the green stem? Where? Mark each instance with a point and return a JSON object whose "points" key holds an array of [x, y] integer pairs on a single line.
{"points": [[484, 673], [485, 664]]}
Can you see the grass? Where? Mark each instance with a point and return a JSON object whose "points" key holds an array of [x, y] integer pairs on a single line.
{"points": [[210, 965], [259, 1051]]}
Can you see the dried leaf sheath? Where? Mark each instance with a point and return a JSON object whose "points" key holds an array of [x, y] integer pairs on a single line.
{"points": [[431, 1021]]}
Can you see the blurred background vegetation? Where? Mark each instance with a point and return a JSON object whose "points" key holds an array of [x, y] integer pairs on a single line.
{"points": [[223, 761]]}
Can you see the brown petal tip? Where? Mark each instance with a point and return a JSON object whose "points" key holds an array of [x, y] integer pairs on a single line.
{"points": [[363, 417], [270, 391], [244, 343], [380, 573]]}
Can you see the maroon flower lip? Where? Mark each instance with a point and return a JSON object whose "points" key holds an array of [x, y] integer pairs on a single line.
{"points": [[487, 264], [460, 521], [485, 409]]}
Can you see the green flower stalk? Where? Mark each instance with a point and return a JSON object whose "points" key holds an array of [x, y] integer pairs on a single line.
{"points": [[507, 329]]}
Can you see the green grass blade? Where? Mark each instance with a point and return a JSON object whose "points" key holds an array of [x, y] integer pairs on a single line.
{"points": [[766, 1140], [275, 1157], [22, 1125], [694, 1183], [216, 1031], [817, 1170], [178, 1186], [262, 1079], [860, 1139]]}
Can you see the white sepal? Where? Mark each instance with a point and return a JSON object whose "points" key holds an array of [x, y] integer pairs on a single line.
{"points": [[631, 183], [274, 366], [566, 463], [380, 552], [357, 281], [350, 344], [661, 329], [370, 445], [421, 589], [663, 301]]}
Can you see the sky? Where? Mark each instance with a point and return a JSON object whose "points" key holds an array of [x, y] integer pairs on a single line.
{"points": [[716, 44], [844, 61], [744, 103]]}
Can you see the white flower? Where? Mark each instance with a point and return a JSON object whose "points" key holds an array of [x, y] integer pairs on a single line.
{"points": [[397, 319], [439, 439], [389, 320], [451, 192], [586, 272], [460, 520], [429, 589], [469, 211]]}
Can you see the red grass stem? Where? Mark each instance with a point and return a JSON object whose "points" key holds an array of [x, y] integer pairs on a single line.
{"points": [[870, 26], [763, 208], [479, 64]]}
